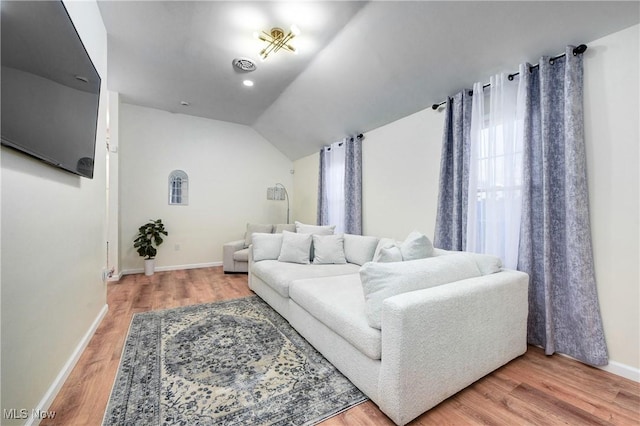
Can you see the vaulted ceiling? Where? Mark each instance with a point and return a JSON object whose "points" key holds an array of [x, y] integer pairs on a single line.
{"points": [[359, 65]]}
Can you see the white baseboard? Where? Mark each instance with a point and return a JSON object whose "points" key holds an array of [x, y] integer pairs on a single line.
{"points": [[622, 370], [613, 367], [172, 268], [55, 387]]}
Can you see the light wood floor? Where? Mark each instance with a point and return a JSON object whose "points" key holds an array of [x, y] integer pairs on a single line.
{"points": [[533, 389]]}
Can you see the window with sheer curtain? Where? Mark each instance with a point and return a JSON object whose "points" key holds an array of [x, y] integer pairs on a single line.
{"points": [[495, 181], [334, 162]]}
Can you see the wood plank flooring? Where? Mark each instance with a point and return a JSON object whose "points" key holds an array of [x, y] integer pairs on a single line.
{"points": [[531, 390]]}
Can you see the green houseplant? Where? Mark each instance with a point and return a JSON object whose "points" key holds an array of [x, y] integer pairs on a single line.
{"points": [[148, 239]]}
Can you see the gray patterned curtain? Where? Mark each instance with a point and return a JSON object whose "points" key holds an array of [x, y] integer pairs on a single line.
{"points": [[451, 218], [323, 211], [555, 242], [353, 186]]}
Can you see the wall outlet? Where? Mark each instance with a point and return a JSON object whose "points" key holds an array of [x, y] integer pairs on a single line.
{"points": [[107, 273]]}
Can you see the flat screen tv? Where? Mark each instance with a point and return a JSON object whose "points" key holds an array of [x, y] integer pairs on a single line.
{"points": [[50, 88]]}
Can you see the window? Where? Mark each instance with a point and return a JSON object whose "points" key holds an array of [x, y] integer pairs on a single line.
{"points": [[178, 188], [495, 176]]}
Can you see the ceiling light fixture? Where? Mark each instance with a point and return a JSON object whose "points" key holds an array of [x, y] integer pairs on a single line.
{"points": [[276, 40], [248, 83]]}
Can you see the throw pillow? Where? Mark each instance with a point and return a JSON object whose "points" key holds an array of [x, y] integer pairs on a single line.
{"points": [[390, 254], [291, 227], [383, 280], [328, 249], [416, 246], [383, 243], [295, 247], [255, 227], [266, 246], [359, 249], [314, 229]]}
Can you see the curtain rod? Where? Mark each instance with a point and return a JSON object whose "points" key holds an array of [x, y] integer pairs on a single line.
{"points": [[576, 51]]}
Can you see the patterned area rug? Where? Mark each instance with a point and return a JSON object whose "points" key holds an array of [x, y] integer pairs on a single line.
{"points": [[230, 363]]}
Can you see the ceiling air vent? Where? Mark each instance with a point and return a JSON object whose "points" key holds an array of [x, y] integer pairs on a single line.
{"points": [[244, 64]]}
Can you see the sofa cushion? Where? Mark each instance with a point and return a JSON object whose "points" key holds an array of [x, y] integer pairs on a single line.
{"points": [[359, 249], [266, 246], [279, 275], [241, 255], [338, 303], [328, 249], [255, 227], [295, 247], [278, 228], [383, 280]]}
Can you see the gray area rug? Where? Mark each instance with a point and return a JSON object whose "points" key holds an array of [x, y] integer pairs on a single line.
{"points": [[236, 362]]}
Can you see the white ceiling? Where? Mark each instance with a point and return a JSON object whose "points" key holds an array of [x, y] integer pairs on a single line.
{"points": [[360, 64]]}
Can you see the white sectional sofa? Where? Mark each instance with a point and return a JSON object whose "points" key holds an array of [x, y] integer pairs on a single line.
{"points": [[409, 334]]}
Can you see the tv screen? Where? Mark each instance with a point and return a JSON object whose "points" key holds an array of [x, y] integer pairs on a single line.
{"points": [[50, 88]]}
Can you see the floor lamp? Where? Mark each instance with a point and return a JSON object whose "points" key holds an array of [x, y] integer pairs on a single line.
{"points": [[279, 192]]}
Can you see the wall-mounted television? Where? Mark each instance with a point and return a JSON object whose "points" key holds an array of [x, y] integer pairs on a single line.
{"points": [[50, 87]]}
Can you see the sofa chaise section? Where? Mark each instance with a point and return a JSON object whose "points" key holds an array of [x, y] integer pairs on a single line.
{"points": [[429, 344]]}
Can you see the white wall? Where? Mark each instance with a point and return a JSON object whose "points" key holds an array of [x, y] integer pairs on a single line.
{"points": [[611, 80], [305, 187], [53, 245], [230, 167], [401, 166]]}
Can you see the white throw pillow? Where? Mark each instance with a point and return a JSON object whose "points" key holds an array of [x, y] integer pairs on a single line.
{"points": [[255, 227], [359, 249], [416, 246], [266, 246], [383, 243], [314, 229], [295, 247], [383, 280], [390, 254], [328, 249]]}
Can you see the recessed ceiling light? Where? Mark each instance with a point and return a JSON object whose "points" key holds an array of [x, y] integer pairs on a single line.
{"points": [[184, 103], [248, 83]]}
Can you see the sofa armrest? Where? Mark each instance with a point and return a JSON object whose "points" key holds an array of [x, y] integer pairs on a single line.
{"points": [[438, 341], [228, 249]]}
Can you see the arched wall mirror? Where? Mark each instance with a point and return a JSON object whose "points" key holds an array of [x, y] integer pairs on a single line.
{"points": [[178, 188]]}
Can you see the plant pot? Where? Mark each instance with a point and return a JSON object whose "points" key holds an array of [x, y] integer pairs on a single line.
{"points": [[149, 266]]}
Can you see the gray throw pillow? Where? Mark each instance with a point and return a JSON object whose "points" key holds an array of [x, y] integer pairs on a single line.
{"points": [[295, 247], [328, 249]]}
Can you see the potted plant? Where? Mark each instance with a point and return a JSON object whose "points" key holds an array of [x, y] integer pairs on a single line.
{"points": [[149, 234]]}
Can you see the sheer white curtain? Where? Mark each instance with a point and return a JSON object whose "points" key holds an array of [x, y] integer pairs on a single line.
{"points": [[495, 170], [334, 184]]}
